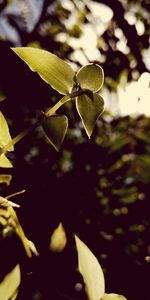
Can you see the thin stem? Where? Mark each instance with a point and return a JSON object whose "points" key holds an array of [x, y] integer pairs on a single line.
{"points": [[15, 194], [53, 109], [17, 138], [49, 113], [63, 100]]}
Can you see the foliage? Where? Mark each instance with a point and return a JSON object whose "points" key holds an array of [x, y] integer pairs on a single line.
{"points": [[60, 76], [67, 82], [108, 204], [10, 284]]}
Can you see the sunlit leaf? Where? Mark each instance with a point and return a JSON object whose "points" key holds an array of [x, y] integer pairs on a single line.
{"points": [[51, 68], [55, 128], [5, 178], [58, 239], [91, 77], [10, 284], [89, 106], [4, 162], [91, 271], [113, 297], [5, 137]]}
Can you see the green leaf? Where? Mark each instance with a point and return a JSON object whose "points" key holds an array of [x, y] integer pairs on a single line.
{"points": [[5, 178], [113, 297], [89, 106], [90, 77], [10, 284], [4, 162], [55, 71], [55, 128], [91, 271], [5, 137]]}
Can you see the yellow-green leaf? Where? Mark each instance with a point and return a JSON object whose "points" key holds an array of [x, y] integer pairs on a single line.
{"points": [[4, 162], [5, 137], [58, 239], [91, 77], [89, 106], [91, 271], [55, 128], [55, 71], [113, 297], [10, 284]]}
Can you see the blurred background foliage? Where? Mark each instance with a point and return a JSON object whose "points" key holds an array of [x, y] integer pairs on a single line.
{"points": [[97, 188]]}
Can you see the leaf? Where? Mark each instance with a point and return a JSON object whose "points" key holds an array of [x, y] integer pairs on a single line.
{"points": [[5, 178], [90, 77], [89, 106], [113, 297], [55, 128], [5, 137], [32, 247], [18, 229], [9, 285], [55, 71], [91, 271], [7, 212], [58, 239], [4, 162]]}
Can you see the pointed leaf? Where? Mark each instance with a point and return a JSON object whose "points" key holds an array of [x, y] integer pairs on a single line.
{"points": [[55, 71], [91, 77], [89, 106], [113, 297], [55, 128], [9, 285], [4, 162], [91, 271], [58, 239], [5, 137]]}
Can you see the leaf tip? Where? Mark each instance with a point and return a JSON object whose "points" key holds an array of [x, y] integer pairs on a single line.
{"points": [[13, 49], [58, 240]]}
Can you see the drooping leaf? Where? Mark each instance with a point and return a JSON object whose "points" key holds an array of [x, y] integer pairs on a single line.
{"points": [[58, 239], [55, 128], [113, 297], [5, 137], [91, 77], [51, 68], [10, 284], [5, 178], [89, 106], [91, 271], [33, 247], [4, 162], [7, 212], [19, 231]]}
